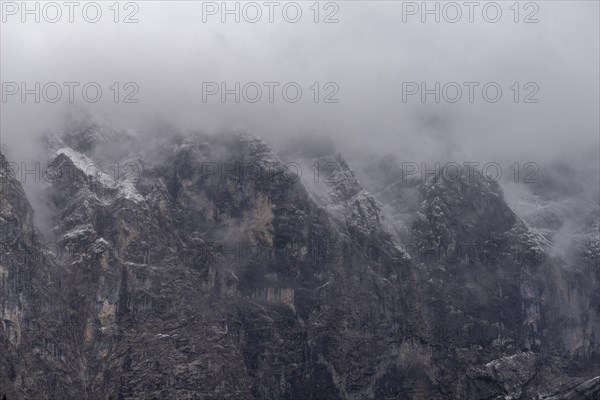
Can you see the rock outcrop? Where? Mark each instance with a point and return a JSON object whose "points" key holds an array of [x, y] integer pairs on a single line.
{"points": [[205, 267]]}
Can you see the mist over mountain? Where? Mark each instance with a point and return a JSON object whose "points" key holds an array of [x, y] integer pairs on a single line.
{"points": [[255, 275], [354, 200]]}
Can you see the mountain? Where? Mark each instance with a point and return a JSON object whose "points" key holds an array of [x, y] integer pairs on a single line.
{"points": [[208, 267]]}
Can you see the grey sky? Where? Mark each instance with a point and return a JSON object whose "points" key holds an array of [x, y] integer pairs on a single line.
{"points": [[368, 54]]}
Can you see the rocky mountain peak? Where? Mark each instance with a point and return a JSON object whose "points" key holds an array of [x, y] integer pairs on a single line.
{"points": [[256, 275]]}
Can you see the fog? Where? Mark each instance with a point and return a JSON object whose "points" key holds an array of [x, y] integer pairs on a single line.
{"points": [[367, 55]]}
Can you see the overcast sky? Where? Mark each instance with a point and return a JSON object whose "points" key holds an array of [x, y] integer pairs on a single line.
{"points": [[368, 55]]}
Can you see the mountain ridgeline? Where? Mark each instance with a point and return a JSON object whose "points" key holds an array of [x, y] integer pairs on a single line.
{"points": [[208, 267]]}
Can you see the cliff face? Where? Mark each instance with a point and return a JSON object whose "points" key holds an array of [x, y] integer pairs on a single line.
{"points": [[35, 348], [209, 268]]}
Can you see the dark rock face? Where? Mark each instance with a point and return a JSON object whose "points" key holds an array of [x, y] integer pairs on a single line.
{"points": [[208, 268], [34, 351]]}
